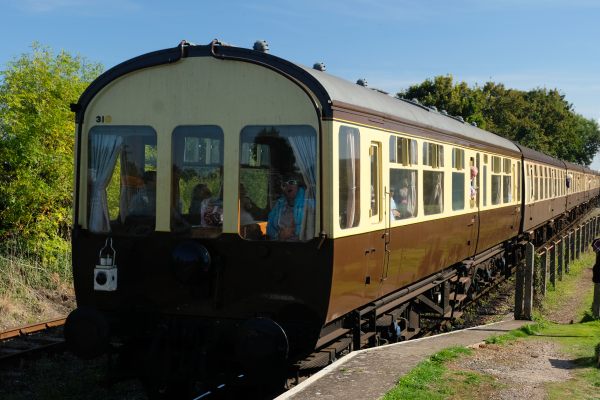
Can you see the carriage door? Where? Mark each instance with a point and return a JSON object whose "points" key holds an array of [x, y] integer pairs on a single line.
{"points": [[475, 198], [375, 258]]}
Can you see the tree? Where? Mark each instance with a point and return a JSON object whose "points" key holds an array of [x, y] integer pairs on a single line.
{"points": [[540, 119], [36, 144]]}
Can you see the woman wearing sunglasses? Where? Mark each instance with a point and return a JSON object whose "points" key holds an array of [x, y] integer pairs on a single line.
{"points": [[285, 219]]}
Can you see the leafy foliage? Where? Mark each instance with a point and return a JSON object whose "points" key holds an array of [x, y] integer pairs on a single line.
{"points": [[36, 145], [540, 118]]}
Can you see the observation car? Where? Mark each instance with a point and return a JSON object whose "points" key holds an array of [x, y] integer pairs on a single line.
{"points": [[184, 158]]}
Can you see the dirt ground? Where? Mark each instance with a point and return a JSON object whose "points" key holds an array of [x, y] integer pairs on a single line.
{"points": [[37, 306], [523, 368]]}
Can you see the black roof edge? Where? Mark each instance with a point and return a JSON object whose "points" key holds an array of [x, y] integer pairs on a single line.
{"points": [[531, 154], [215, 49], [154, 58]]}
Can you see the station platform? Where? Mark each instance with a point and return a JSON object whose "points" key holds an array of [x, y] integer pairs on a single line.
{"points": [[370, 373]]}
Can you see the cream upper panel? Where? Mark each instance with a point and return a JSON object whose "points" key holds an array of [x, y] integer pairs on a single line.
{"points": [[369, 135], [197, 91]]}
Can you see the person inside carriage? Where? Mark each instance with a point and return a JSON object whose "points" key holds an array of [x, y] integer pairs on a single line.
{"points": [[285, 219]]}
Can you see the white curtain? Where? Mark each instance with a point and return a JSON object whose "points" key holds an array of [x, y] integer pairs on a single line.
{"points": [[439, 192], [305, 151], [104, 151], [411, 205]]}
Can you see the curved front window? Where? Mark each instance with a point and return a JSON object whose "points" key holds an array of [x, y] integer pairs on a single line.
{"points": [[122, 179], [197, 178], [277, 188]]}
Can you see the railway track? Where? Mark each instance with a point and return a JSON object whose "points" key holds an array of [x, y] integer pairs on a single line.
{"points": [[31, 339]]}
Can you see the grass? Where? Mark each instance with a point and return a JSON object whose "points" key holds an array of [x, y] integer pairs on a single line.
{"points": [[432, 379], [425, 380], [580, 341], [555, 296], [30, 284]]}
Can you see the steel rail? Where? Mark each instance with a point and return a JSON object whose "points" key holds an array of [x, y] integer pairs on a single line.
{"points": [[29, 329]]}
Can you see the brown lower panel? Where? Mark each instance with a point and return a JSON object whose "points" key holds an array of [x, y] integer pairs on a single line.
{"points": [[498, 225], [541, 211], [363, 271]]}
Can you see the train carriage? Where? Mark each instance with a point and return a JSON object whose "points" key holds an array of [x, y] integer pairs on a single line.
{"points": [[235, 211], [545, 190], [576, 192]]}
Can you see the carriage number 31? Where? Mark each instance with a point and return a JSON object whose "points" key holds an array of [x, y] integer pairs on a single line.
{"points": [[103, 119]]}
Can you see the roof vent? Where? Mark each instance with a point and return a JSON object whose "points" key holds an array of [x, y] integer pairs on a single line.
{"points": [[415, 100], [444, 112], [461, 119], [262, 46], [474, 124], [433, 108], [362, 82], [319, 66]]}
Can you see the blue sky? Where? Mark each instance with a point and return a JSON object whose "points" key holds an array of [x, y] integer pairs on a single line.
{"points": [[522, 43]]}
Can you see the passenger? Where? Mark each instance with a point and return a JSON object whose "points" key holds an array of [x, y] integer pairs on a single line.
{"points": [[143, 202], [394, 211], [285, 219], [200, 193], [248, 210], [403, 199], [474, 173], [211, 210]]}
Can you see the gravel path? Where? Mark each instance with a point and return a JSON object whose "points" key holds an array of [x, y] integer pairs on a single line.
{"points": [[523, 368]]}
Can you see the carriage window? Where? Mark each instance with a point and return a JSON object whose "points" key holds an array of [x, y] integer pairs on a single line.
{"points": [[433, 181], [197, 193], [496, 180], [349, 177], [484, 179], [531, 192], [433, 155], [403, 188], [433, 192], [277, 187], [403, 181], [548, 182], [122, 179], [535, 183], [406, 151], [458, 179], [374, 154], [517, 179], [506, 181]]}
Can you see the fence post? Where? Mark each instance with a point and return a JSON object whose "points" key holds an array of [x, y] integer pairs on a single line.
{"points": [[581, 241], [528, 292], [577, 242], [560, 256], [573, 239], [587, 237], [553, 266], [543, 271], [567, 251], [520, 288]]}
